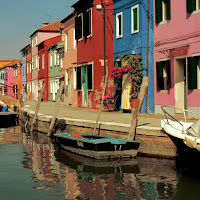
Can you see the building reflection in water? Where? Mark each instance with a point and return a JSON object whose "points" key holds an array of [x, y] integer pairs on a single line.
{"points": [[76, 177]]}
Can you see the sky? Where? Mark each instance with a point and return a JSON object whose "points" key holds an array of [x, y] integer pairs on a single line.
{"points": [[20, 18]]}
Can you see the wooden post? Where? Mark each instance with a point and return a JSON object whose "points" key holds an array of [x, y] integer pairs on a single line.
{"points": [[20, 103], [56, 110], [37, 107], [136, 114], [104, 90]]}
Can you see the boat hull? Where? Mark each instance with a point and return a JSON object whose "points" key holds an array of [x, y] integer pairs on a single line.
{"points": [[99, 147], [7, 119]]}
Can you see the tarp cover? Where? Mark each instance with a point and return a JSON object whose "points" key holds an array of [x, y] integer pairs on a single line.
{"points": [[194, 129]]}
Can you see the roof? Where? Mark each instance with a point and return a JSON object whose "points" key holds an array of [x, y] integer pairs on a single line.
{"points": [[25, 47], [79, 4], [55, 27], [68, 17], [12, 63]]}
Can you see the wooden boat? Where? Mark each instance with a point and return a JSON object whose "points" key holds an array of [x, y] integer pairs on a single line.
{"points": [[98, 147], [7, 119], [185, 135]]}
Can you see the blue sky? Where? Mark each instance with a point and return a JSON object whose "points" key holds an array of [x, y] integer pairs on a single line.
{"points": [[20, 18]]}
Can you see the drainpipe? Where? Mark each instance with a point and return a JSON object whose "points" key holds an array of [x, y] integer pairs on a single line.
{"points": [[104, 40], [147, 55]]}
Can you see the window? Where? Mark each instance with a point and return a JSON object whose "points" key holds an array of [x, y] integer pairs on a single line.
{"points": [[78, 27], [194, 72], [90, 77], [38, 60], [74, 39], [32, 63], [193, 5], [163, 10], [119, 25], [51, 59], [51, 87], [43, 61], [61, 60], [135, 19], [36, 63], [87, 23], [163, 75], [66, 77], [58, 59], [66, 41], [55, 58]]}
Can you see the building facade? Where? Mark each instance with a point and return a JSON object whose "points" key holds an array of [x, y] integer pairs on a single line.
{"points": [[89, 71], [54, 70], [44, 33], [44, 68], [130, 37], [177, 51], [69, 60]]}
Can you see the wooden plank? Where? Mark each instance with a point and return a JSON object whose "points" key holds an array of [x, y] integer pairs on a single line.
{"points": [[103, 94], [136, 114], [56, 110], [37, 107]]}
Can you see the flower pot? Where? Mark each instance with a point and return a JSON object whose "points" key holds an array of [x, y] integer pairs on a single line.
{"points": [[133, 103]]}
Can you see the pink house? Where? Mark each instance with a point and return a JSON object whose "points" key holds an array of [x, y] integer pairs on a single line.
{"points": [[177, 54], [41, 34]]}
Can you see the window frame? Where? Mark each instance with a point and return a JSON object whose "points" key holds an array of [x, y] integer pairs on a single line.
{"points": [[43, 56], [117, 25], [132, 19]]}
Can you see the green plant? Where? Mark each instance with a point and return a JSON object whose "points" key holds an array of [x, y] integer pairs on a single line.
{"points": [[134, 61]]}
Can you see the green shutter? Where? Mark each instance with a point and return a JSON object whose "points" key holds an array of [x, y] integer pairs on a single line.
{"points": [[158, 5], [86, 23], [168, 2], [76, 28], [192, 73], [159, 70], [168, 75], [135, 20], [191, 5]]}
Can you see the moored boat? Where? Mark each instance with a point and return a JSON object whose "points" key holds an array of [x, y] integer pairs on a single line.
{"points": [[98, 147], [185, 135]]}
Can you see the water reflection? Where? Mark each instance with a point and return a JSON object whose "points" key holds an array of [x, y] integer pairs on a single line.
{"points": [[69, 176]]}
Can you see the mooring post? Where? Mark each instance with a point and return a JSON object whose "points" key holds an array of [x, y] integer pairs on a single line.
{"points": [[136, 114], [103, 94], [37, 107], [53, 120]]}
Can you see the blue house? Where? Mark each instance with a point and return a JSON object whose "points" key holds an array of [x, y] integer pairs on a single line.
{"points": [[130, 37], [24, 52]]}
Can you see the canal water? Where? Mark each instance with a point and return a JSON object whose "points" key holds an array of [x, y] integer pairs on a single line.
{"points": [[33, 167]]}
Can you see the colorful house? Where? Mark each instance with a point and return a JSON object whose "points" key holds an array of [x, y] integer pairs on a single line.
{"points": [[43, 72], [69, 58], [28, 71], [130, 37], [26, 52], [54, 70], [41, 34], [89, 70], [18, 78], [177, 55]]}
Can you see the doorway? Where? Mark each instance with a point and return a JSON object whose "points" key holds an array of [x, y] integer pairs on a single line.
{"points": [[180, 94]]}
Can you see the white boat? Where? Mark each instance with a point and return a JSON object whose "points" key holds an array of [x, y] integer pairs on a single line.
{"points": [[185, 135]]}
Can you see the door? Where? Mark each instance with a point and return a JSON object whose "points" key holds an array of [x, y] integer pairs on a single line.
{"points": [[84, 85], [180, 85], [54, 90], [70, 88]]}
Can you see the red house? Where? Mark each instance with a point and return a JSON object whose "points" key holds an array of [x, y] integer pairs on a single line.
{"points": [[43, 72], [89, 70]]}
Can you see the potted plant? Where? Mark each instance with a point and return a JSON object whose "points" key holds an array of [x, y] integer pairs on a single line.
{"points": [[135, 69]]}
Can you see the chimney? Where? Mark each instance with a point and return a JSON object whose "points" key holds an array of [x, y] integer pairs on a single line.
{"points": [[45, 24]]}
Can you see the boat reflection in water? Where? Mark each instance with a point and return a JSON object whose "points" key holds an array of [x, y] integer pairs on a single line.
{"points": [[89, 179], [59, 174]]}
